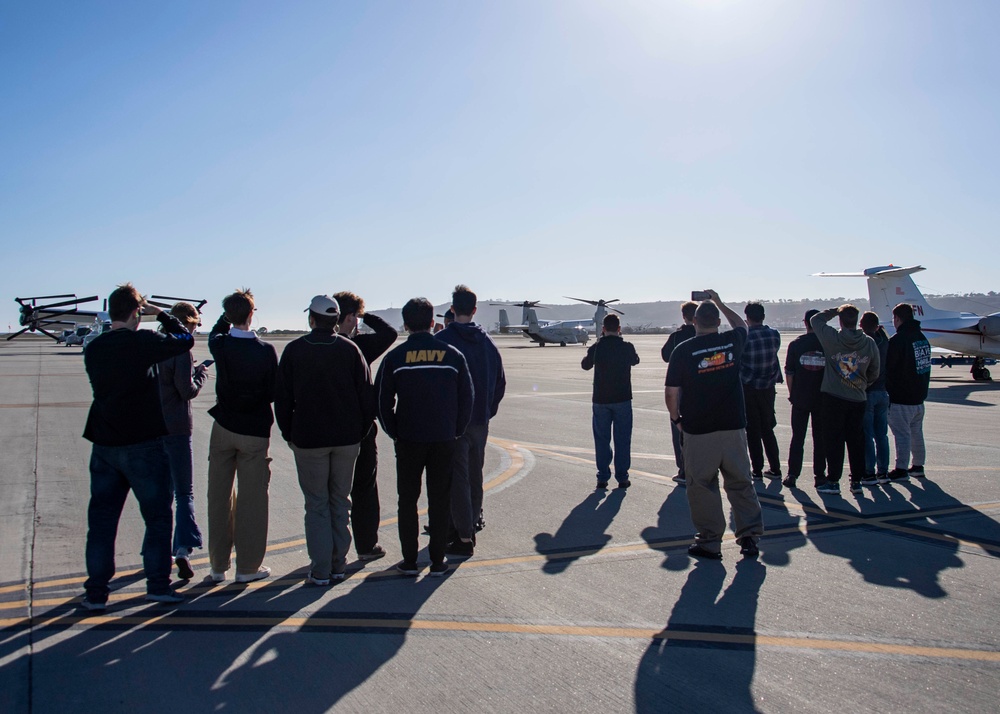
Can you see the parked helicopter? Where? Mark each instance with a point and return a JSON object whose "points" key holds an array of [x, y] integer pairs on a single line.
{"points": [[559, 333], [976, 338], [63, 313]]}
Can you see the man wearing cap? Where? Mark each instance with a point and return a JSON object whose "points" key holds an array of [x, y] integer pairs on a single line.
{"points": [[704, 395], [365, 508], [246, 368], [804, 364], [324, 406], [424, 393]]}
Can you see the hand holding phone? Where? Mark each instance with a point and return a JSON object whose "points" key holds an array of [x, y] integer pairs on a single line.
{"points": [[699, 295]]}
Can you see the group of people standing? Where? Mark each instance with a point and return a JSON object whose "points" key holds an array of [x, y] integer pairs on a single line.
{"points": [[434, 396], [851, 384]]}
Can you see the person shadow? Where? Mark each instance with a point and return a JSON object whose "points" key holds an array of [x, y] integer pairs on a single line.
{"points": [[673, 531], [944, 515], [704, 658], [582, 532]]}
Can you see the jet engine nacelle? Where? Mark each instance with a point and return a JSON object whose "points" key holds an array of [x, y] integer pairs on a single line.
{"points": [[990, 325]]}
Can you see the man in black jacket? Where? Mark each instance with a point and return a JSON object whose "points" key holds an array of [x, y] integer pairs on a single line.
{"points": [[238, 446], [804, 365], [126, 426], [323, 405], [365, 510], [612, 359], [425, 398], [907, 378], [684, 332]]}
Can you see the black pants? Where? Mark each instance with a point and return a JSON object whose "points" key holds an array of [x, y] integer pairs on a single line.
{"points": [[800, 422], [843, 424], [760, 429], [365, 510], [412, 457]]}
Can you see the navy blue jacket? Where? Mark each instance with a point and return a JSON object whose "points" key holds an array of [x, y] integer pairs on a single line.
{"points": [[424, 391], [485, 366], [247, 369]]}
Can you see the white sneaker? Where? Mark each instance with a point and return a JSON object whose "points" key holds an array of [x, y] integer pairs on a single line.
{"points": [[262, 572], [317, 581], [93, 606], [338, 576], [218, 577]]}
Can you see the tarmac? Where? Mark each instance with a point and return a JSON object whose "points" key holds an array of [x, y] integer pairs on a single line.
{"points": [[576, 600]]}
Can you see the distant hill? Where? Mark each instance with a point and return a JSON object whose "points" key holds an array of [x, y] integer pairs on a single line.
{"points": [[781, 314]]}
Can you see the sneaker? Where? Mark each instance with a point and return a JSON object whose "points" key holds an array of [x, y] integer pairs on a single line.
{"points": [[856, 485], [790, 482], [624, 484], [702, 552], [602, 484], [748, 548], [917, 471], [373, 554], [899, 475], [481, 523], [757, 475], [882, 477], [262, 572], [679, 478], [828, 487], [407, 568], [218, 577], [184, 571], [438, 569], [869, 480], [167, 598], [771, 473], [93, 606], [337, 577], [460, 547], [312, 580]]}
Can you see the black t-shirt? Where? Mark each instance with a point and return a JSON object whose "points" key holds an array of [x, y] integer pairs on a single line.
{"points": [[707, 369], [805, 362]]}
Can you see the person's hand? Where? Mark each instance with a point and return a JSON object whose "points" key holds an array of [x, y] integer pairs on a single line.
{"points": [[714, 296], [150, 309]]}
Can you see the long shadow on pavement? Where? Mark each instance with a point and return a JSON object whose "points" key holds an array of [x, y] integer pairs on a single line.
{"points": [[583, 532]]}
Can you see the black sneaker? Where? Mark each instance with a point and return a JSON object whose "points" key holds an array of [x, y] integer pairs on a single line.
{"points": [[624, 484], [898, 475], [771, 473], [460, 547], [869, 480], [829, 487], [602, 485], [748, 548], [438, 569], [407, 568], [373, 554], [757, 475], [856, 485], [917, 472], [790, 482], [702, 552], [93, 606], [882, 477], [481, 523], [184, 571]]}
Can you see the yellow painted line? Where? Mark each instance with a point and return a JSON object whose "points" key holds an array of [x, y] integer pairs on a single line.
{"points": [[808, 643]]}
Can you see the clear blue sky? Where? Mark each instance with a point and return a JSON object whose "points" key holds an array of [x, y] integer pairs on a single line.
{"points": [[530, 149]]}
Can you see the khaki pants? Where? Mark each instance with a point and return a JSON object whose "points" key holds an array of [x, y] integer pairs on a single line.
{"points": [[705, 455], [325, 477], [237, 512]]}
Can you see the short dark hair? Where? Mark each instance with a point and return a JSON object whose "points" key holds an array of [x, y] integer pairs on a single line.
{"points": [[612, 323], [123, 301], [869, 321], [707, 314], [848, 315], [687, 310], [349, 304], [904, 311], [754, 311], [463, 300], [238, 306], [418, 314], [810, 313], [324, 322]]}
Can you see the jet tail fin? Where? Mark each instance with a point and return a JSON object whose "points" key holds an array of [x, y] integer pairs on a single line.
{"points": [[888, 286]]}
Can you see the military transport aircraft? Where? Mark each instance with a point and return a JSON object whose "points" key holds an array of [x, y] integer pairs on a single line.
{"points": [[557, 332]]}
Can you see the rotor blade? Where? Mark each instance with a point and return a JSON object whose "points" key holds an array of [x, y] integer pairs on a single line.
{"points": [[589, 302], [608, 302], [614, 309], [74, 302], [45, 297]]}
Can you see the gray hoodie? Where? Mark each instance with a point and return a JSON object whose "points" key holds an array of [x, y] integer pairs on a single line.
{"points": [[852, 359]]}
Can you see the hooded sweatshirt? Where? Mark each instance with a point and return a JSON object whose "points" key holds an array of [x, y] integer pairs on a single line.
{"points": [[485, 366], [852, 360], [908, 368]]}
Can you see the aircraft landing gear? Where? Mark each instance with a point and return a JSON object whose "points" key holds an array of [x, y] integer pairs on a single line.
{"points": [[979, 371], [562, 344]]}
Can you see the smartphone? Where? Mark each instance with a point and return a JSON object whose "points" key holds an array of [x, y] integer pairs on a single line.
{"points": [[207, 363], [699, 295]]}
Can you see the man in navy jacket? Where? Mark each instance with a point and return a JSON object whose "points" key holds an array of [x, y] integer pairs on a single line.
{"points": [[425, 399]]}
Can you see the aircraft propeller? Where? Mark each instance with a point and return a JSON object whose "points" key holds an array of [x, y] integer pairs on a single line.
{"points": [[606, 304]]}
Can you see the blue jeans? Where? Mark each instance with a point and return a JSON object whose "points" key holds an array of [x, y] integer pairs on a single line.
{"points": [[876, 429], [187, 535], [114, 471], [613, 420]]}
